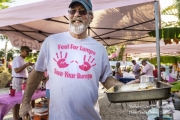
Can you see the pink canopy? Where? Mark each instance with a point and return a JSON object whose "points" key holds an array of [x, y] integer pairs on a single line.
{"points": [[115, 22], [149, 50]]}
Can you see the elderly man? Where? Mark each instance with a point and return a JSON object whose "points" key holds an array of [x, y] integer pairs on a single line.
{"points": [[76, 63], [19, 73], [147, 69]]}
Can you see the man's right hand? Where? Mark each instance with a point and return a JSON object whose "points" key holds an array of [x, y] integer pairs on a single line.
{"points": [[25, 110], [29, 63]]}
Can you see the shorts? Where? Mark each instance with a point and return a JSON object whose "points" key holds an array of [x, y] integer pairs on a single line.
{"points": [[47, 93], [16, 84]]}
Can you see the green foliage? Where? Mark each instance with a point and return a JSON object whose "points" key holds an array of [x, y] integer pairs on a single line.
{"points": [[110, 50], [174, 83], [173, 9], [3, 3], [10, 54], [165, 60], [113, 49], [121, 53], [176, 4], [166, 33], [32, 57], [176, 87]]}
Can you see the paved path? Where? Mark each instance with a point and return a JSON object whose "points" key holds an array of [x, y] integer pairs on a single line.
{"points": [[112, 112]]}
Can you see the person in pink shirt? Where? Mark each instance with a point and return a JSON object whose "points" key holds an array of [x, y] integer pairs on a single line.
{"points": [[147, 69]]}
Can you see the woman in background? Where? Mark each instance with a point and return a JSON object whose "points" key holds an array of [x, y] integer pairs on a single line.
{"points": [[118, 73]]}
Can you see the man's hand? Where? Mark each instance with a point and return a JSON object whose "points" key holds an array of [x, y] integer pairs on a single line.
{"points": [[134, 81], [25, 110], [29, 63], [137, 77], [110, 82]]}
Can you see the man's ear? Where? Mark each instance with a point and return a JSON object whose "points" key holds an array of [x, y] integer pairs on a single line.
{"points": [[91, 18]]}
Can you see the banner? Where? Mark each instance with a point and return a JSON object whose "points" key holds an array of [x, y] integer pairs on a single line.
{"points": [[18, 41]]}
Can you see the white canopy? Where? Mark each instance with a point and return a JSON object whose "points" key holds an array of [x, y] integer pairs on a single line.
{"points": [[115, 21]]}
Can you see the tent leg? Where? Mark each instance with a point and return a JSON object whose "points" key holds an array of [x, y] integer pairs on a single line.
{"points": [[156, 6]]}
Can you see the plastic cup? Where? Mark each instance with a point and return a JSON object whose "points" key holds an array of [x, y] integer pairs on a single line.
{"points": [[12, 92]]}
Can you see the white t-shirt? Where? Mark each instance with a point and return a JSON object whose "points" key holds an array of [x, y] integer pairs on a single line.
{"points": [[75, 68], [148, 69], [18, 62], [136, 67]]}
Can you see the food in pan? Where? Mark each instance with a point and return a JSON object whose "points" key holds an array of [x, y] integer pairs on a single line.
{"points": [[140, 86]]}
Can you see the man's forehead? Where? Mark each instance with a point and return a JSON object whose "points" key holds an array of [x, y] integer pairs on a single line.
{"points": [[77, 5]]}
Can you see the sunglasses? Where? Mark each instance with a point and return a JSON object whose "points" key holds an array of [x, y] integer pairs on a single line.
{"points": [[81, 12]]}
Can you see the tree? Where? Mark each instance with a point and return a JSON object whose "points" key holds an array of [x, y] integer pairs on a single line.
{"points": [[3, 37], [174, 10], [3, 3], [32, 57]]}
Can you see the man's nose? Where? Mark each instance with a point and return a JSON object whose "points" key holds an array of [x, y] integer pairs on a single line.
{"points": [[77, 13]]}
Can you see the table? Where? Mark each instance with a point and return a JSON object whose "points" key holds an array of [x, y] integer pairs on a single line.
{"points": [[125, 80], [7, 102]]}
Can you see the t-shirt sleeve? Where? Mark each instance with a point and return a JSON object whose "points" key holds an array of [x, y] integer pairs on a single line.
{"points": [[106, 69], [145, 69], [138, 67], [134, 68], [17, 63], [41, 63]]}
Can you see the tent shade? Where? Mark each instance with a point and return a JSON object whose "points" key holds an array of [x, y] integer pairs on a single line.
{"points": [[115, 22]]}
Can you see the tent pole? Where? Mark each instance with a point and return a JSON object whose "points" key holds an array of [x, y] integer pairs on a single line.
{"points": [[156, 6]]}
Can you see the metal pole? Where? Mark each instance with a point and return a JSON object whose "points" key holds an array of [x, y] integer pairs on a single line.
{"points": [[156, 6]]}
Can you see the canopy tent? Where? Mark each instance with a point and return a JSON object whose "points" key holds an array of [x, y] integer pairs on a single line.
{"points": [[115, 22], [149, 50]]}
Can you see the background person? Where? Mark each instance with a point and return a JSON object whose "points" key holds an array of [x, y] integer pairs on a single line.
{"points": [[74, 72], [118, 73], [19, 73], [136, 68], [147, 70]]}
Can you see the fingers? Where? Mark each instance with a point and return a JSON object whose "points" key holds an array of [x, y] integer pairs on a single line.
{"points": [[24, 114], [31, 114], [25, 110]]}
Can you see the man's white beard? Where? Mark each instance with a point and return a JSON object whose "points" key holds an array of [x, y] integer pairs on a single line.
{"points": [[78, 29]]}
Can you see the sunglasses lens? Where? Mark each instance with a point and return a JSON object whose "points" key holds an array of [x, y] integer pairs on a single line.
{"points": [[72, 12], [81, 12]]}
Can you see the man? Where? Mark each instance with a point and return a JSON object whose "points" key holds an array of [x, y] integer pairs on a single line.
{"points": [[19, 73], [136, 68], [147, 70], [76, 63]]}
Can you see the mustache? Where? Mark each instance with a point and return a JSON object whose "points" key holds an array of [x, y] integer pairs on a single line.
{"points": [[76, 19]]}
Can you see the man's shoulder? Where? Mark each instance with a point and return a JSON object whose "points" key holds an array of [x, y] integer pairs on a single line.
{"points": [[56, 35], [137, 65], [17, 57], [95, 41]]}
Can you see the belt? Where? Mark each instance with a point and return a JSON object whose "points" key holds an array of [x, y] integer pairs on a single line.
{"points": [[21, 78]]}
